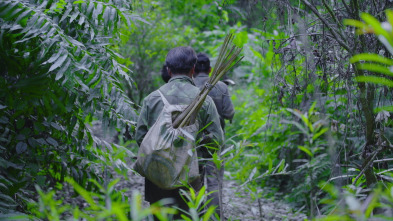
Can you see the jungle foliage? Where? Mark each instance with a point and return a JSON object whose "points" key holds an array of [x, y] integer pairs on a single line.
{"points": [[59, 71], [313, 102]]}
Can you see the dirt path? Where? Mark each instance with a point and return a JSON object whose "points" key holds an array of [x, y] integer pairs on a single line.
{"points": [[238, 205]]}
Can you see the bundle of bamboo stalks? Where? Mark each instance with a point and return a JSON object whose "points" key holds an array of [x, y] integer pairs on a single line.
{"points": [[228, 57]]}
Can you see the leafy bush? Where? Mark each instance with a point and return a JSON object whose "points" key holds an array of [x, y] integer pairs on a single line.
{"points": [[357, 202], [58, 72]]}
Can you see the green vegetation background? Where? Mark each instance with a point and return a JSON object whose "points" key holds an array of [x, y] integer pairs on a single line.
{"points": [[312, 97]]}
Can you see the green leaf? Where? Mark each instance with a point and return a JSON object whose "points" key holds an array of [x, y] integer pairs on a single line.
{"points": [[60, 73], [54, 57], [112, 184], [4, 120], [371, 58], [375, 68], [55, 125], [73, 16], [355, 23], [7, 198], [21, 147], [321, 132], [299, 126], [81, 20], [23, 15], [85, 194], [41, 141], [58, 62], [376, 25], [66, 13], [20, 123], [9, 9], [15, 12], [186, 218], [307, 151], [90, 9], [97, 11], [311, 110], [15, 216], [208, 213], [107, 11], [96, 78], [270, 165], [52, 141], [375, 80], [97, 184], [384, 108], [32, 142]]}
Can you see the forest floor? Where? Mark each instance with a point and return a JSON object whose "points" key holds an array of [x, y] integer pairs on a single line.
{"points": [[237, 203]]}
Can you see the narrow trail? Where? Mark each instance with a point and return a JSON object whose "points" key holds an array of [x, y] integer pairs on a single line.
{"points": [[238, 205]]}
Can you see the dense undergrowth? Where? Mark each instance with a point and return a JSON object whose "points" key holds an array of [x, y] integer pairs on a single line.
{"points": [[313, 101]]}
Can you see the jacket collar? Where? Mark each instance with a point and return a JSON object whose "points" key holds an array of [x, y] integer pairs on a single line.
{"points": [[202, 74], [182, 78]]}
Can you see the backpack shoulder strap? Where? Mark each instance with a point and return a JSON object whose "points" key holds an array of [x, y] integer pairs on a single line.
{"points": [[166, 103]]}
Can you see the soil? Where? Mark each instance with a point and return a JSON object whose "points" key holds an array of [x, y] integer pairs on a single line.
{"points": [[237, 203]]}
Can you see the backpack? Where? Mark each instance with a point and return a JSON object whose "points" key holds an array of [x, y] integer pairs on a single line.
{"points": [[167, 156]]}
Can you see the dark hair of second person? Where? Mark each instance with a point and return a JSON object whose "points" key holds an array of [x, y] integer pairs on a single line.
{"points": [[203, 63]]}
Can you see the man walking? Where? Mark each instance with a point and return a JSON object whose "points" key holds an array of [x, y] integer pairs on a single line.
{"points": [[180, 90], [221, 98]]}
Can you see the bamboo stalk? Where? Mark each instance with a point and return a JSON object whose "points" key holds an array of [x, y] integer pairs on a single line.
{"points": [[227, 58]]}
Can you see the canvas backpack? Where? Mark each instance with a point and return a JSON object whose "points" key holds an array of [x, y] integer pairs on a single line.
{"points": [[167, 156]]}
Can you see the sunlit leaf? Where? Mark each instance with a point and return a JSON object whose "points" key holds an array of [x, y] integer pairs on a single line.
{"points": [[375, 80], [372, 58], [306, 150], [355, 23]]}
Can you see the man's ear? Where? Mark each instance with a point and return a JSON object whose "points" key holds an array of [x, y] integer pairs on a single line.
{"points": [[169, 71], [210, 70], [192, 71]]}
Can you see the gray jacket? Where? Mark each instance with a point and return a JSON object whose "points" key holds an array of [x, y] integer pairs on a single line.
{"points": [[220, 95], [179, 90]]}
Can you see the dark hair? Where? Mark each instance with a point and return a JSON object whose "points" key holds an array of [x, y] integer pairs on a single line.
{"points": [[203, 63], [181, 60], [164, 74]]}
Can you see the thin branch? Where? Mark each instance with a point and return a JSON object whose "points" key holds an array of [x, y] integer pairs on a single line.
{"points": [[368, 164], [383, 160], [347, 7], [294, 36], [331, 29], [331, 13], [391, 169]]}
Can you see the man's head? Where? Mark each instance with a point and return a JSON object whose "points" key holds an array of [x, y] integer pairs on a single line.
{"points": [[203, 64], [181, 60], [164, 73]]}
